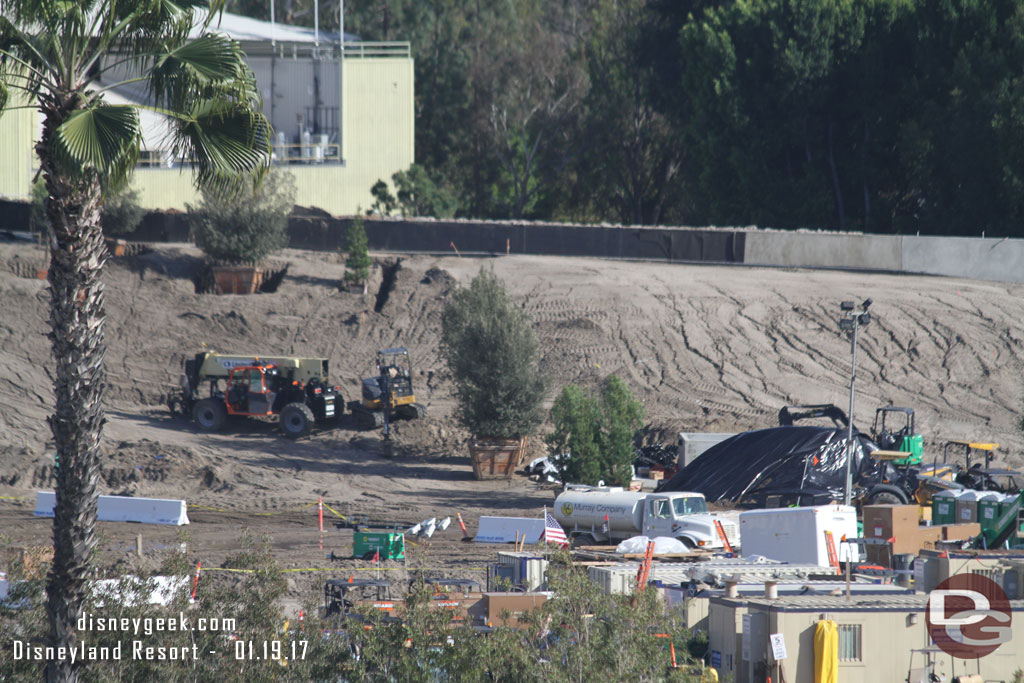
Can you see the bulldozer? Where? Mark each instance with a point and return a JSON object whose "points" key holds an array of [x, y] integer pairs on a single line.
{"points": [[389, 394], [215, 386]]}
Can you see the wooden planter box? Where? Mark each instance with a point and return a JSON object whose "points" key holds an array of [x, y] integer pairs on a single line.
{"points": [[236, 279], [496, 458], [116, 247], [354, 287]]}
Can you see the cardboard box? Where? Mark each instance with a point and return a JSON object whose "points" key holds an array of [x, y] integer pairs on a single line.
{"points": [[515, 604], [899, 522], [960, 532], [927, 536]]}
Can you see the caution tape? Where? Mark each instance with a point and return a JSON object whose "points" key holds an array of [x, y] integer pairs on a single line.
{"points": [[335, 512], [281, 512], [259, 514], [15, 497]]}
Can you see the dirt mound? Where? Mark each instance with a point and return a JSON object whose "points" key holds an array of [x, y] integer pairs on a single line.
{"points": [[704, 348]]}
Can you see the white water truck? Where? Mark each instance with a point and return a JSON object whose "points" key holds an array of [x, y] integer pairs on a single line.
{"points": [[592, 515]]}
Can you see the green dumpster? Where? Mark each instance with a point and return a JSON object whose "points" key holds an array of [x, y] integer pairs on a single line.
{"points": [[390, 544]]}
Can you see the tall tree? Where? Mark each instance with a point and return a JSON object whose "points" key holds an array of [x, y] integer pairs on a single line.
{"points": [[53, 51]]}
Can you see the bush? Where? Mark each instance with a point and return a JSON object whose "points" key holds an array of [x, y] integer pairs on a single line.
{"points": [[357, 264], [492, 353], [593, 437], [418, 195], [121, 213], [243, 228], [37, 211]]}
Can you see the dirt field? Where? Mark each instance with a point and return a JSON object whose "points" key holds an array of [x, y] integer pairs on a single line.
{"points": [[705, 348]]}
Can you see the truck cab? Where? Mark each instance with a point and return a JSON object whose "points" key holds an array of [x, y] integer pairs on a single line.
{"points": [[681, 515]]}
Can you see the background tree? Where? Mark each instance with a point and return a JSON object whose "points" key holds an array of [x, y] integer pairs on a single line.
{"points": [[492, 353], [88, 148], [593, 437]]}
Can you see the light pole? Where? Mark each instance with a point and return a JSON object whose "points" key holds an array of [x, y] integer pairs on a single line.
{"points": [[850, 323]]}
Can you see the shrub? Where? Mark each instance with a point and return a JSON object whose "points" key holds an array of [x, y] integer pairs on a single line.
{"points": [[357, 263], [418, 195], [37, 211], [243, 228], [121, 213], [593, 437], [492, 354]]}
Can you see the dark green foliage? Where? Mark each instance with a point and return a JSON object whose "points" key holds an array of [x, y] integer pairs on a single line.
{"points": [[357, 262], [121, 213], [418, 195], [242, 228], [37, 212], [593, 437], [492, 354]]}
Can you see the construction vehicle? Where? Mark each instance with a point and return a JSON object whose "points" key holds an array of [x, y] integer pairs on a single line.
{"points": [[981, 476], [789, 415], [591, 514], [389, 394], [344, 598], [892, 438], [218, 385]]}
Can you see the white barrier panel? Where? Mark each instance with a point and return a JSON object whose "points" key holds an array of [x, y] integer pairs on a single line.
{"points": [[124, 509], [504, 529]]}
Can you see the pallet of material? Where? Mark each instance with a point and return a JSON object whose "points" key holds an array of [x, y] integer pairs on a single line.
{"points": [[607, 552]]}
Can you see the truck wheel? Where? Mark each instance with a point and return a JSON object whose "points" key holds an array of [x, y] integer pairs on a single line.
{"points": [[690, 545], [886, 495], [296, 420], [583, 539], [210, 414]]}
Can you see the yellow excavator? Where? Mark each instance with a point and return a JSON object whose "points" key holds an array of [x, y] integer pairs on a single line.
{"points": [[389, 394]]}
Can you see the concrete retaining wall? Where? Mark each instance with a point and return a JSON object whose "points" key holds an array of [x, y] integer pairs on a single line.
{"points": [[1001, 260], [824, 250]]}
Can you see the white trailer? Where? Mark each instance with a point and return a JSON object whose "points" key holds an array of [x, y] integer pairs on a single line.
{"points": [[798, 534], [610, 514]]}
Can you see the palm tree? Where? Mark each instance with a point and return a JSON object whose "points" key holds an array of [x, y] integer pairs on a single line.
{"points": [[54, 52]]}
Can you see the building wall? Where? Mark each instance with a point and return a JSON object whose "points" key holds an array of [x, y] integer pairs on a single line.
{"points": [[887, 640], [17, 155], [378, 135], [725, 639]]}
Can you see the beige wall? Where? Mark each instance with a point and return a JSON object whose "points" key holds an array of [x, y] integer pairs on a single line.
{"points": [[17, 156], [888, 637], [378, 133], [378, 143]]}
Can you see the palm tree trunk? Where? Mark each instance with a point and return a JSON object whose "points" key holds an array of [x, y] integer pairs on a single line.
{"points": [[77, 255]]}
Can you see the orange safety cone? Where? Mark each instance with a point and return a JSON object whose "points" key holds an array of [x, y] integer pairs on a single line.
{"points": [[195, 584], [458, 516]]}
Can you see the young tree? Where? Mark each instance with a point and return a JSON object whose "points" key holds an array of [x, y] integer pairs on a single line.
{"points": [[357, 263], [242, 228], [593, 437], [492, 353], [88, 148]]}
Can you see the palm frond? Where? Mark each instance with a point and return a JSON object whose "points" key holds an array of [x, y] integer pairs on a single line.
{"points": [[103, 139], [227, 143], [209, 66]]}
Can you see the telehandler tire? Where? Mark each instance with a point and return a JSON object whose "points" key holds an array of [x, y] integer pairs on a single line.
{"points": [[210, 414], [296, 420]]}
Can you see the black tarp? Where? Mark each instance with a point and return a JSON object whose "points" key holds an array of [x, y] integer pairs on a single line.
{"points": [[779, 461]]}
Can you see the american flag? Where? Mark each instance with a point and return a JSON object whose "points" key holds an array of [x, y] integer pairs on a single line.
{"points": [[553, 531]]}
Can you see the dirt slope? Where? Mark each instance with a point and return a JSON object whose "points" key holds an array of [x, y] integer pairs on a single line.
{"points": [[705, 348]]}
